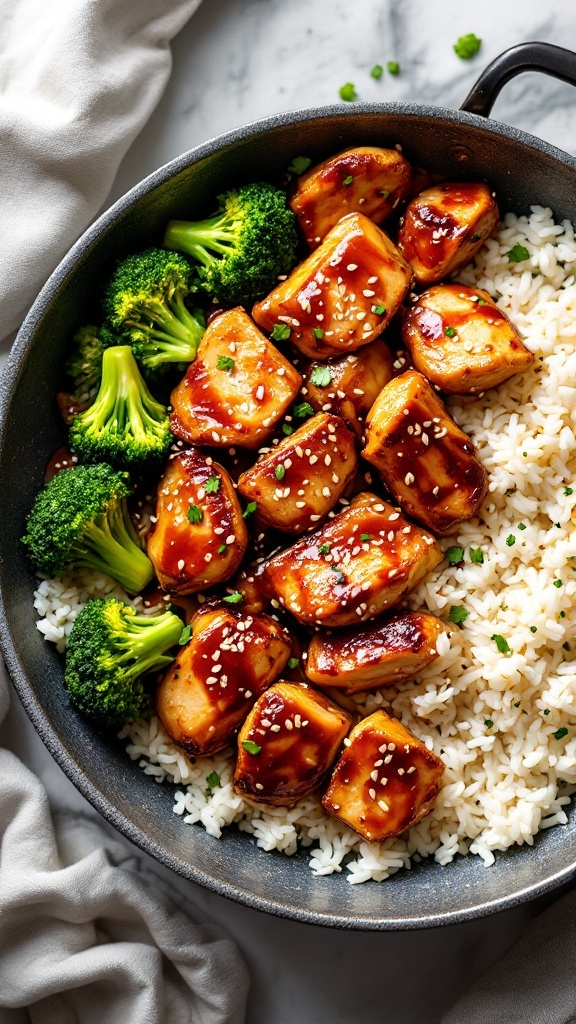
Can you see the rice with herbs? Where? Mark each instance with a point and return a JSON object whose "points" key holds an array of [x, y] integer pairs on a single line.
{"points": [[500, 712]]}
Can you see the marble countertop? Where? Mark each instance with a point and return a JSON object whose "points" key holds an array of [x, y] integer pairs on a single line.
{"points": [[236, 61]]}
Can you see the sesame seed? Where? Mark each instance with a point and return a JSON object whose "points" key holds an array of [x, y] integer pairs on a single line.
{"points": [[400, 771], [274, 728], [374, 775], [181, 564], [352, 266], [289, 724], [372, 794], [372, 280], [411, 769], [208, 557], [383, 805], [368, 293], [387, 759], [326, 492], [259, 785], [347, 742], [409, 479]]}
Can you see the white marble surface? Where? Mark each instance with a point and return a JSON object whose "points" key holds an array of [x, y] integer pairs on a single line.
{"points": [[238, 60]]}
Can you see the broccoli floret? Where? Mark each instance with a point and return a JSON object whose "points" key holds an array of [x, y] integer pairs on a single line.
{"points": [[125, 425], [242, 250], [81, 519], [109, 649], [145, 303], [84, 364]]}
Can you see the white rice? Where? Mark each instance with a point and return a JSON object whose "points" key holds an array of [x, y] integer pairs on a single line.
{"points": [[490, 716]]}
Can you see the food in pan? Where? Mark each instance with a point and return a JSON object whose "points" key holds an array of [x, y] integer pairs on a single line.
{"points": [[366, 548]]}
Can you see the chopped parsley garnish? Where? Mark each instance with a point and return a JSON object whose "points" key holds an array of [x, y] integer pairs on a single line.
{"points": [[518, 253], [251, 747], [562, 615], [287, 429], [293, 662], [510, 540], [195, 514], [481, 301], [321, 376], [377, 71], [383, 192], [524, 455], [458, 614], [533, 629], [222, 549], [393, 67], [318, 333], [250, 509], [558, 583], [488, 723], [379, 310], [324, 549], [225, 363], [521, 526], [568, 491], [280, 472], [365, 537], [518, 703], [501, 643], [348, 179], [281, 332], [561, 733], [299, 164], [467, 46], [303, 410], [185, 635], [213, 780], [546, 711], [454, 555], [450, 332], [347, 92], [212, 485], [476, 556], [234, 598], [340, 577]]}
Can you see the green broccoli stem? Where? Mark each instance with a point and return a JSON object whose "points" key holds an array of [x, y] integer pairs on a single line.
{"points": [[198, 239], [124, 402], [111, 546], [144, 641]]}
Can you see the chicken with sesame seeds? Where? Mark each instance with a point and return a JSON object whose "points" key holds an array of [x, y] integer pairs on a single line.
{"points": [[349, 387], [365, 179], [288, 744], [461, 341], [297, 483], [427, 463], [198, 536], [343, 295], [385, 654], [385, 781], [237, 388], [334, 577], [445, 226], [209, 689]]}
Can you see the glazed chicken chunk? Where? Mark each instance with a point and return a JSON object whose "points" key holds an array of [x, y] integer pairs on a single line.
{"points": [[444, 227], [355, 566], [198, 537], [384, 654], [428, 464], [288, 744], [237, 388], [461, 341], [349, 386], [365, 180], [216, 678], [385, 780], [343, 295], [296, 484]]}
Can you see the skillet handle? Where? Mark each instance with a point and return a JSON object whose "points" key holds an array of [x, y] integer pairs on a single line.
{"points": [[544, 57]]}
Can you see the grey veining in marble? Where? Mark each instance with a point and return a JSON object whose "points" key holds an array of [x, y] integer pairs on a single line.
{"points": [[236, 61]]}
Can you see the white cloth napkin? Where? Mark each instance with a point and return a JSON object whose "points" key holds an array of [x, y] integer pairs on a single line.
{"points": [[78, 80], [86, 937]]}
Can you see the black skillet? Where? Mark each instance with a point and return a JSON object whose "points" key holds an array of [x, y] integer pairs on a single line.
{"points": [[463, 143]]}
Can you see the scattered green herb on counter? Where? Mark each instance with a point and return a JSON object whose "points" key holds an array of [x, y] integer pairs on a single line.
{"points": [[321, 376], [234, 598], [454, 555], [185, 635], [476, 556], [299, 164], [467, 46], [458, 614], [393, 67], [281, 332], [518, 253], [280, 472], [377, 71], [347, 92], [251, 747], [501, 643], [195, 514], [212, 485], [225, 363]]}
